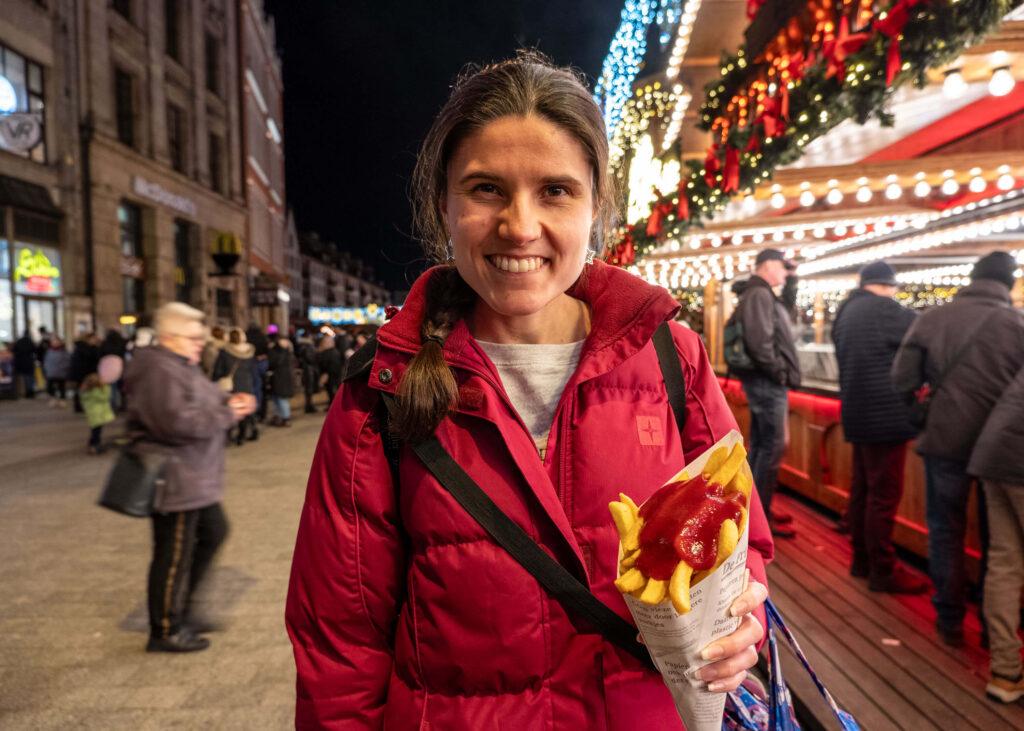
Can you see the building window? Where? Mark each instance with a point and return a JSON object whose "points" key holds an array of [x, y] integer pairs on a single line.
{"points": [[129, 217], [27, 226], [26, 77], [172, 29], [213, 63], [217, 164], [122, 8], [176, 137], [182, 261], [225, 305], [125, 102]]}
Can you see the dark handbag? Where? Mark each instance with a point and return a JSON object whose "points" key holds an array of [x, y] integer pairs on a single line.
{"points": [[133, 483]]}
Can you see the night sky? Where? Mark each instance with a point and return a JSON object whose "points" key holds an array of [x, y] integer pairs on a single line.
{"points": [[362, 82]]}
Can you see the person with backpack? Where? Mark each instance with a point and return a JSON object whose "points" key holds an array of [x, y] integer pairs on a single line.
{"points": [[967, 352], [759, 350], [533, 366]]}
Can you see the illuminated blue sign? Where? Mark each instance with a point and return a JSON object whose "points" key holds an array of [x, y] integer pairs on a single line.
{"points": [[369, 315]]}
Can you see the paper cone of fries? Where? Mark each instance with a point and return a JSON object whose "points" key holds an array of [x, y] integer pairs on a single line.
{"points": [[681, 608]]}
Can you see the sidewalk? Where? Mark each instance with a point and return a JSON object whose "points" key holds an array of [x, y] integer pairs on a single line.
{"points": [[73, 622]]}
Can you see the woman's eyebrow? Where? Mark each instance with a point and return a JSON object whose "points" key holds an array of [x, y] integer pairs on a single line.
{"points": [[494, 178]]}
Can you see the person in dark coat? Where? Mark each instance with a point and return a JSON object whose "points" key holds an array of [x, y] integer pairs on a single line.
{"points": [[25, 364], [867, 332], [44, 343], [282, 379], [998, 460], [982, 334], [85, 360], [305, 351], [329, 363], [114, 344], [236, 362], [57, 369], [261, 347]]}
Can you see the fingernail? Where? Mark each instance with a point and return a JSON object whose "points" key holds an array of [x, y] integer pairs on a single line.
{"points": [[716, 686], [712, 652], [739, 608]]}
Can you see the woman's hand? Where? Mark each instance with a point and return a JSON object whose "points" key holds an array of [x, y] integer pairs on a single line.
{"points": [[242, 404], [735, 653]]}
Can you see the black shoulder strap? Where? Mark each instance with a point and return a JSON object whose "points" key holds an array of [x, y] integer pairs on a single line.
{"points": [[672, 373], [359, 364], [566, 588]]}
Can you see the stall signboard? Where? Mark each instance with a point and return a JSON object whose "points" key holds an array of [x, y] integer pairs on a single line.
{"points": [[369, 315], [36, 270]]}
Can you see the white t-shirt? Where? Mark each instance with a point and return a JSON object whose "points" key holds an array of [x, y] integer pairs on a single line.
{"points": [[534, 377]]}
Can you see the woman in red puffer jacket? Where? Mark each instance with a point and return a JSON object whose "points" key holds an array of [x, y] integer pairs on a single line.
{"points": [[536, 371]]}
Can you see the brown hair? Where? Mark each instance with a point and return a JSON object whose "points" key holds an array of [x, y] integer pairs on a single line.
{"points": [[528, 84]]}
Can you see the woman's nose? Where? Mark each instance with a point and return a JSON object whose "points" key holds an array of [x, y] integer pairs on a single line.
{"points": [[520, 222]]}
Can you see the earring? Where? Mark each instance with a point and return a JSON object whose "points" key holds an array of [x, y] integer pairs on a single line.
{"points": [[449, 252], [590, 256]]}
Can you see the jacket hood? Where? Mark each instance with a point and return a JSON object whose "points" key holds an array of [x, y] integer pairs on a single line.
{"points": [[240, 350], [626, 312], [986, 288], [284, 343]]}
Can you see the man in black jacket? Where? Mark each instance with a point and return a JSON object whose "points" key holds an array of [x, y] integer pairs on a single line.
{"points": [[769, 343], [967, 352], [867, 332]]}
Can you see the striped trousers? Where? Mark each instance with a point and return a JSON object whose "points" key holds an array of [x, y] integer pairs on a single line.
{"points": [[184, 544]]}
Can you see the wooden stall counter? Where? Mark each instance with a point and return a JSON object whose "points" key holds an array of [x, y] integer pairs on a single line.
{"points": [[818, 464]]}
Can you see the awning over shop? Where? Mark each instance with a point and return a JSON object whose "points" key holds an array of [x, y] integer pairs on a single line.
{"points": [[27, 196]]}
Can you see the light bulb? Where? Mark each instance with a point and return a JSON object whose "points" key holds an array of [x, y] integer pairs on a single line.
{"points": [[759, 238], [1005, 182], [950, 186], [954, 86], [778, 200], [893, 191], [834, 197], [864, 194], [977, 185], [839, 230], [922, 189], [1002, 82], [807, 199], [778, 236]]}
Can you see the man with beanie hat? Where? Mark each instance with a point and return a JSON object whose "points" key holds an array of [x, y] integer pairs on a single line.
{"points": [[867, 332], [967, 352], [769, 343]]}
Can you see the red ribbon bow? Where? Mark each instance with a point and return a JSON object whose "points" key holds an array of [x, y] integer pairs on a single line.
{"points": [[654, 225], [892, 25], [839, 48], [731, 176], [711, 166]]}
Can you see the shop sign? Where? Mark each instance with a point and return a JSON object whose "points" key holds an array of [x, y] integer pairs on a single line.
{"points": [[20, 131], [263, 297], [141, 186], [37, 271], [369, 315], [132, 266]]}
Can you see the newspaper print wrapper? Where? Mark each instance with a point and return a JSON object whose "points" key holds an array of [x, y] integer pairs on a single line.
{"points": [[675, 640]]}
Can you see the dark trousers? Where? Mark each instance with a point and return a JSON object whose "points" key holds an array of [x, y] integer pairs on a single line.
{"points": [[874, 499], [948, 486], [184, 544], [769, 407], [28, 381], [55, 386], [95, 436]]}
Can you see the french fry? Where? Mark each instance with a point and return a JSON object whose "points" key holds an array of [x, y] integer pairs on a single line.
{"points": [[715, 460], [630, 581], [679, 587], [655, 592], [624, 518], [724, 474], [631, 541], [728, 538], [629, 560]]}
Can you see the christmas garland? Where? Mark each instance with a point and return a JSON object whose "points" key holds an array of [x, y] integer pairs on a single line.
{"points": [[830, 63]]}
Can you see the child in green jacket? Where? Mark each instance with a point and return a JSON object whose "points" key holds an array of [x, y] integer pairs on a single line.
{"points": [[95, 398]]}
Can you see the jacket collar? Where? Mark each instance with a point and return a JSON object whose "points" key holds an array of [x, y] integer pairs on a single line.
{"points": [[987, 288], [756, 281]]}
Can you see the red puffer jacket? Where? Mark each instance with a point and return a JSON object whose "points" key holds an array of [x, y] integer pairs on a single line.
{"points": [[404, 614]]}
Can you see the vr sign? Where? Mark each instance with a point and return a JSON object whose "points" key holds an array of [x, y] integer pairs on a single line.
{"points": [[37, 271]]}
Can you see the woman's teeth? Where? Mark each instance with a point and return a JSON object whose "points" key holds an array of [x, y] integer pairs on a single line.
{"points": [[508, 264]]}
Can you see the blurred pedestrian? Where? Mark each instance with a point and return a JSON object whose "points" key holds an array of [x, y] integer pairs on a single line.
{"points": [[261, 348], [25, 366], [85, 358], [114, 344], [235, 372], [211, 350], [282, 379], [96, 402], [867, 332], [998, 460], [768, 338], [329, 363], [176, 412], [966, 352], [44, 343], [305, 351], [57, 369]]}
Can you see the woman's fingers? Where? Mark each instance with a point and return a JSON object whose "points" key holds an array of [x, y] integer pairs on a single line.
{"points": [[750, 599], [729, 667]]}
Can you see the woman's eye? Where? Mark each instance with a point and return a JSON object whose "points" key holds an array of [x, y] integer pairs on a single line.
{"points": [[558, 190], [485, 188]]}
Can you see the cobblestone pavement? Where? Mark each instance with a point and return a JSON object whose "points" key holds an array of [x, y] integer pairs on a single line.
{"points": [[73, 623]]}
